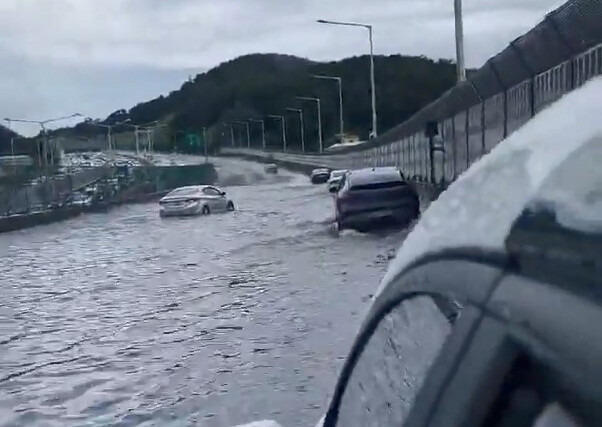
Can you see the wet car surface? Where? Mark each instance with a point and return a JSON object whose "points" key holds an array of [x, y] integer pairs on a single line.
{"points": [[127, 319]]}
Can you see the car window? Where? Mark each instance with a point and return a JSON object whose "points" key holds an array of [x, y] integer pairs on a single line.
{"points": [[394, 362], [211, 192], [183, 192]]}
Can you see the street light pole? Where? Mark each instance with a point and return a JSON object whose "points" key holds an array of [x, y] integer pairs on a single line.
{"points": [[374, 132], [248, 132], [301, 125], [340, 83], [459, 41], [262, 131], [317, 100], [205, 144], [43, 124], [281, 118]]}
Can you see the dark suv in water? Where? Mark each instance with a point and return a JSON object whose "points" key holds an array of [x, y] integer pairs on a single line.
{"points": [[373, 197]]}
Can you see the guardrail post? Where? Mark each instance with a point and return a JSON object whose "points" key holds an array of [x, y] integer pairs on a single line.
{"points": [[571, 59], [495, 72], [531, 72]]}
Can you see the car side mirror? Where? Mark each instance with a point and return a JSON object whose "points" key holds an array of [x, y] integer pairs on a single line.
{"points": [[223, 193]]}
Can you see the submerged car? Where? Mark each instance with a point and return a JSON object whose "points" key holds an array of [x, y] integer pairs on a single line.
{"points": [[490, 313], [373, 197], [320, 176], [271, 168], [335, 180], [195, 200]]}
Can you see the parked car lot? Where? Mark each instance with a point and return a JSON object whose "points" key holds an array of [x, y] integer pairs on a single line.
{"points": [[373, 197], [195, 200]]}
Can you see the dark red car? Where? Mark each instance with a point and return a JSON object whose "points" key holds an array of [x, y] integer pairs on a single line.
{"points": [[374, 197]]}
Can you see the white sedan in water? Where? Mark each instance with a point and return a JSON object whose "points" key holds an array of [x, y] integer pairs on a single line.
{"points": [[195, 200]]}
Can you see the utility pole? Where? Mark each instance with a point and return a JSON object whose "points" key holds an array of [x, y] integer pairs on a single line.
{"points": [[262, 131], [205, 144], [459, 41], [283, 120], [317, 101], [301, 125]]}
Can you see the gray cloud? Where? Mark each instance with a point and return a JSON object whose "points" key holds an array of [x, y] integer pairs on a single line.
{"points": [[63, 55]]}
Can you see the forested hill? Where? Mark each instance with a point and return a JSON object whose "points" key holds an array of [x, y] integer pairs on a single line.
{"points": [[254, 86]]}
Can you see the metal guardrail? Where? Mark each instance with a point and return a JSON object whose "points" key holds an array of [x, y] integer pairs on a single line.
{"points": [[50, 191], [558, 55]]}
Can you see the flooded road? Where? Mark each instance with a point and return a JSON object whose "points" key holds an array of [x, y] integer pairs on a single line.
{"points": [[128, 319]]}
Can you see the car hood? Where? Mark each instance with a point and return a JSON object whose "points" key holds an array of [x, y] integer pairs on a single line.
{"points": [[479, 208]]}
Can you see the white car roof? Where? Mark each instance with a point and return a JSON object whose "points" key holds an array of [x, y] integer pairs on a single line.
{"points": [[479, 208]]}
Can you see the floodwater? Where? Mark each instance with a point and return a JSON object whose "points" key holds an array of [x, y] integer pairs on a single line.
{"points": [[127, 319]]}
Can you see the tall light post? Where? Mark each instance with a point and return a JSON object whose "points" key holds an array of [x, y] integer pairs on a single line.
{"points": [[317, 101], [231, 133], [246, 124], [205, 145], [374, 132], [109, 129], [282, 119], [301, 125], [148, 128], [262, 130], [44, 132], [459, 41], [340, 83]]}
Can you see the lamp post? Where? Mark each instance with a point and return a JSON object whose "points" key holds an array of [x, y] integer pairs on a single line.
{"points": [[374, 132], [205, 144], [248, 132], [317, 101], [109, 129], [44, 132], [262, 130], [281, 118], [300, 112], [231, 133], [340, 84], [459, 41]]}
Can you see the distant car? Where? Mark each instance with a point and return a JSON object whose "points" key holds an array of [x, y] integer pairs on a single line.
{"points": [[271, 168], [320, 176], [370, 197], [195, 200], [80, 199], [334, 182]]}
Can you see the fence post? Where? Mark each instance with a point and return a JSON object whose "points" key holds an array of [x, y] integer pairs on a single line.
{"points": [[495, 72], [531, 72], [571, 52]]}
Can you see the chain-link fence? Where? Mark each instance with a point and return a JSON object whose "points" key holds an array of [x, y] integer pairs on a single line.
{"points": [[48, 192], [555, 57]]}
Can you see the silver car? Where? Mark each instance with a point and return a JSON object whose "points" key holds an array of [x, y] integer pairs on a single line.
{"points": [[334, 182], [195, 200]]}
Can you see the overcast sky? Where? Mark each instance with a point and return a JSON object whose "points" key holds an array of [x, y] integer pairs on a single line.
{"points": [[58, 57]]}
